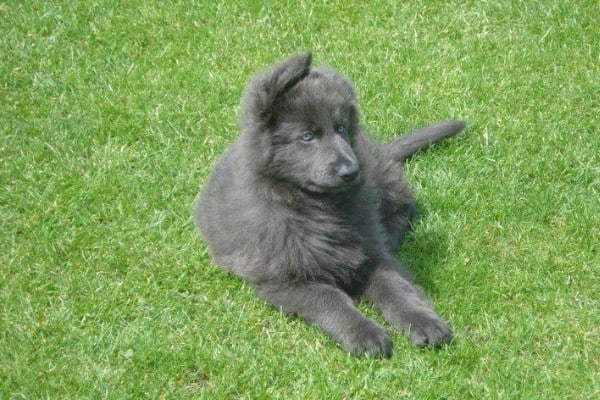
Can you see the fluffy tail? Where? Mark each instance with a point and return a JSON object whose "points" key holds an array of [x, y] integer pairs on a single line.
{"points": [[403, 147]]}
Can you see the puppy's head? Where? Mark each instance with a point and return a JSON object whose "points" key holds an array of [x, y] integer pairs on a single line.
{"points": [[301, 122]]}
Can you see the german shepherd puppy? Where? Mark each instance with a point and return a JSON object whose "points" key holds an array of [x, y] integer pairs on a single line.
{"points": [[309, 209]]}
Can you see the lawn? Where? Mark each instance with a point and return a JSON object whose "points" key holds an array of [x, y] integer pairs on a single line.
{"points": [[112, 113]]}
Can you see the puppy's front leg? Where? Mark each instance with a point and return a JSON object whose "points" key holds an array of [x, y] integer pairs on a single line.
{"points": [[404, 306], [334, 312]]}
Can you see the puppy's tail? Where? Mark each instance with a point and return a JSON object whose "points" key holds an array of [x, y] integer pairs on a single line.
{"points": [[403, 147]]}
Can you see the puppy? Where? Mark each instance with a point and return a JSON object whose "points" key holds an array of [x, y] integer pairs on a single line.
{"points": [[309, 209]]}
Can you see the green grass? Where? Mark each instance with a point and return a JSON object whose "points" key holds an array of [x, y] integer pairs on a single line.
{"points": [[111, 114]]}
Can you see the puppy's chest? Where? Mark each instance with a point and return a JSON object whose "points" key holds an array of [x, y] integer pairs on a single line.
{"points": [[330, 247]]}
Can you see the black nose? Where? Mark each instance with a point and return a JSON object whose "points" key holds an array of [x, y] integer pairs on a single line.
{"points": [[349, 171]]}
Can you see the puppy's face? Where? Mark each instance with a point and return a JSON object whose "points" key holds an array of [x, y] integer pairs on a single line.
{"points": [[314, 133], [301, 123]]}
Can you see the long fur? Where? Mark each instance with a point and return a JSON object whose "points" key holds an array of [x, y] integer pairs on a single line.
{"points": [[309, 208]]}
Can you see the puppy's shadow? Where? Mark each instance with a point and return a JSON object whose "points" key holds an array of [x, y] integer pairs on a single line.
{"points": [[423, 251]]}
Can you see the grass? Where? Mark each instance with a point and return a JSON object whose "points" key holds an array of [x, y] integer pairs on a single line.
{"points": [[111, 114]]}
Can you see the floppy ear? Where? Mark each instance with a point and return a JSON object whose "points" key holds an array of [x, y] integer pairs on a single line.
{"points": [[265, 91]]}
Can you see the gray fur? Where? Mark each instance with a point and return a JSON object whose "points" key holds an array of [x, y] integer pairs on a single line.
{"points": [[309, 208]]}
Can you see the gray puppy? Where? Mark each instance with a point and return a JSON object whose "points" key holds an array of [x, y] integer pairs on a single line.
{"points": [[308, 208]]}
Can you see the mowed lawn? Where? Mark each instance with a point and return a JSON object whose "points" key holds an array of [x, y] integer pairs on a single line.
{"points": [[112, 113]]}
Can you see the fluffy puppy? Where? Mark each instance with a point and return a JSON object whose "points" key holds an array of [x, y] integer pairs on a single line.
{"points": [[309, 209]]}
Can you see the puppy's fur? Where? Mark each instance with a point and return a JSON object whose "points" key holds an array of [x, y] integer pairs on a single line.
{"points": [[308, 208]]}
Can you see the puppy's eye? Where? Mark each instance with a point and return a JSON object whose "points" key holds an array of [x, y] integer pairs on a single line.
{"points": [[307, 136], [341, 129]]}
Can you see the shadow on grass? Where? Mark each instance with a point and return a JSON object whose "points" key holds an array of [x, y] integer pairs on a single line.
{"points": [[423, 251]]}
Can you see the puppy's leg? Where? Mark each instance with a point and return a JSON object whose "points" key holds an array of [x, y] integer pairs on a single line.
{"points": [[404, 306], [334, 312], [398, 211]]}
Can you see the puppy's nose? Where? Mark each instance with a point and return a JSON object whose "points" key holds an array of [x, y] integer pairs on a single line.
{"points": [[348, 171]]}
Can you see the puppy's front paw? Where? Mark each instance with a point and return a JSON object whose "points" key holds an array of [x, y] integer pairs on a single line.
{"points": [[427, 329], [368, 338]]}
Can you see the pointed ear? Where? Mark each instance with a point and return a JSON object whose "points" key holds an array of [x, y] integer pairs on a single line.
{"points": [[265, 90]]}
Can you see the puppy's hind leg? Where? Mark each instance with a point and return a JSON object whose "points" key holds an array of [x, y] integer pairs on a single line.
{"points": [[334, 312], [404, 306], [397, 211]]}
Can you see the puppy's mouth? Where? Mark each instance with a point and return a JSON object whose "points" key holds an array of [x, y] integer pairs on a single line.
{"points": [[337, 187]]}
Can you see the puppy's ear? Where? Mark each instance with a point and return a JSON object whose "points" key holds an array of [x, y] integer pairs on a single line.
{"points": [[266, 90]]}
